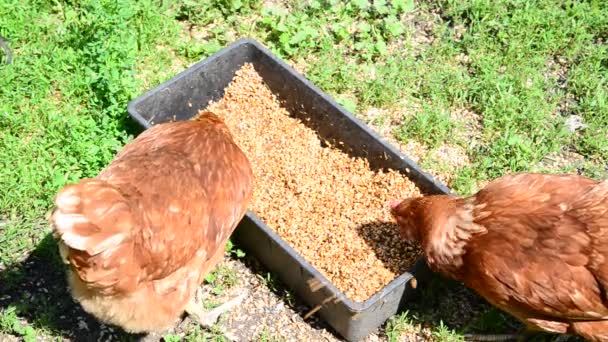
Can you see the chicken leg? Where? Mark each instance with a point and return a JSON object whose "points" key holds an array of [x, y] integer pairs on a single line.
{"points": [[208, 318]]}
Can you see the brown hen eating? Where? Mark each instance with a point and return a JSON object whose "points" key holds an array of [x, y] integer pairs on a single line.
{"points": [[534, 245], [140, 237]]}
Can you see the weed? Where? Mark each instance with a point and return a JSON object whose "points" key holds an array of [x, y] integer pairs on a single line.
{"points": [[465, 182], [444, 334], [360, 27], [512, 85], [269, 281], [196, 334], [64, 99], [397, 325], [10, 323], [221, 279], [172, 338], [290, 297], [233, 251]]}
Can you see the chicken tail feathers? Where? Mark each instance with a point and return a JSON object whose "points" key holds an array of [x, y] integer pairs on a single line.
{"points": [[91, 216]]}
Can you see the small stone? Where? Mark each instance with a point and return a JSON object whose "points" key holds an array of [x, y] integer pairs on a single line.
{"points": [[82, 325], [575, 122]]}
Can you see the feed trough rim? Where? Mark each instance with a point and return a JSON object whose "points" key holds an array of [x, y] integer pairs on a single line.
{"points": [[351, 305]]}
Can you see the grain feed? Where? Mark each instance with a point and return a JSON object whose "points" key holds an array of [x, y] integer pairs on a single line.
{"points": [[330, 207]]}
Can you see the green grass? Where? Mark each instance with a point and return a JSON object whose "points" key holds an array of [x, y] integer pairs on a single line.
{"points": [[221, 279], [63, 110], [522, 66], [404, 322], [509, 45], [196, 334], [9, 323], [443, 333], [397, 325]]}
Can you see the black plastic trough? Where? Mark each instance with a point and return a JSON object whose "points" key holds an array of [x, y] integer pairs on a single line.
{"points": [[181, 97]]}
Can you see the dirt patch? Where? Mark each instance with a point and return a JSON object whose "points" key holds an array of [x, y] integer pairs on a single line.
{"points": [[442, 162], [557, 69], [559, 161], [420, 29], [268, 311], [453, 155], [470, 124], [271, 311]]}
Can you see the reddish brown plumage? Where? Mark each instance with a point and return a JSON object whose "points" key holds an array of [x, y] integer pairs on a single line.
{"points": [[533, 245], [140, 237]]}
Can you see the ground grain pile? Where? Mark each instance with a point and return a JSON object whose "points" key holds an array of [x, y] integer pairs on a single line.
{"points": [[330, 207]]}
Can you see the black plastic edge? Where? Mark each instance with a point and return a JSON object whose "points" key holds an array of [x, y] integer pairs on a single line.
{"points": [[352, 305]]}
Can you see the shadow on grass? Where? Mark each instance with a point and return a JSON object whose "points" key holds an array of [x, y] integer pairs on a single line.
{"points": [[129, 125], [37, 289], [461, 310], [435, 300]]}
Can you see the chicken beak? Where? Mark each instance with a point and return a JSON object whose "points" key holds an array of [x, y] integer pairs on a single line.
{"points": [[393, 204]]}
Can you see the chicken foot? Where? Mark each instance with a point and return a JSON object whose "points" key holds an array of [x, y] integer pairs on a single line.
{"points": [[208, 318]]}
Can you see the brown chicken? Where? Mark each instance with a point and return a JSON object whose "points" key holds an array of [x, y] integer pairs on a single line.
{"points": [[140, 237], [533, 245]]}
